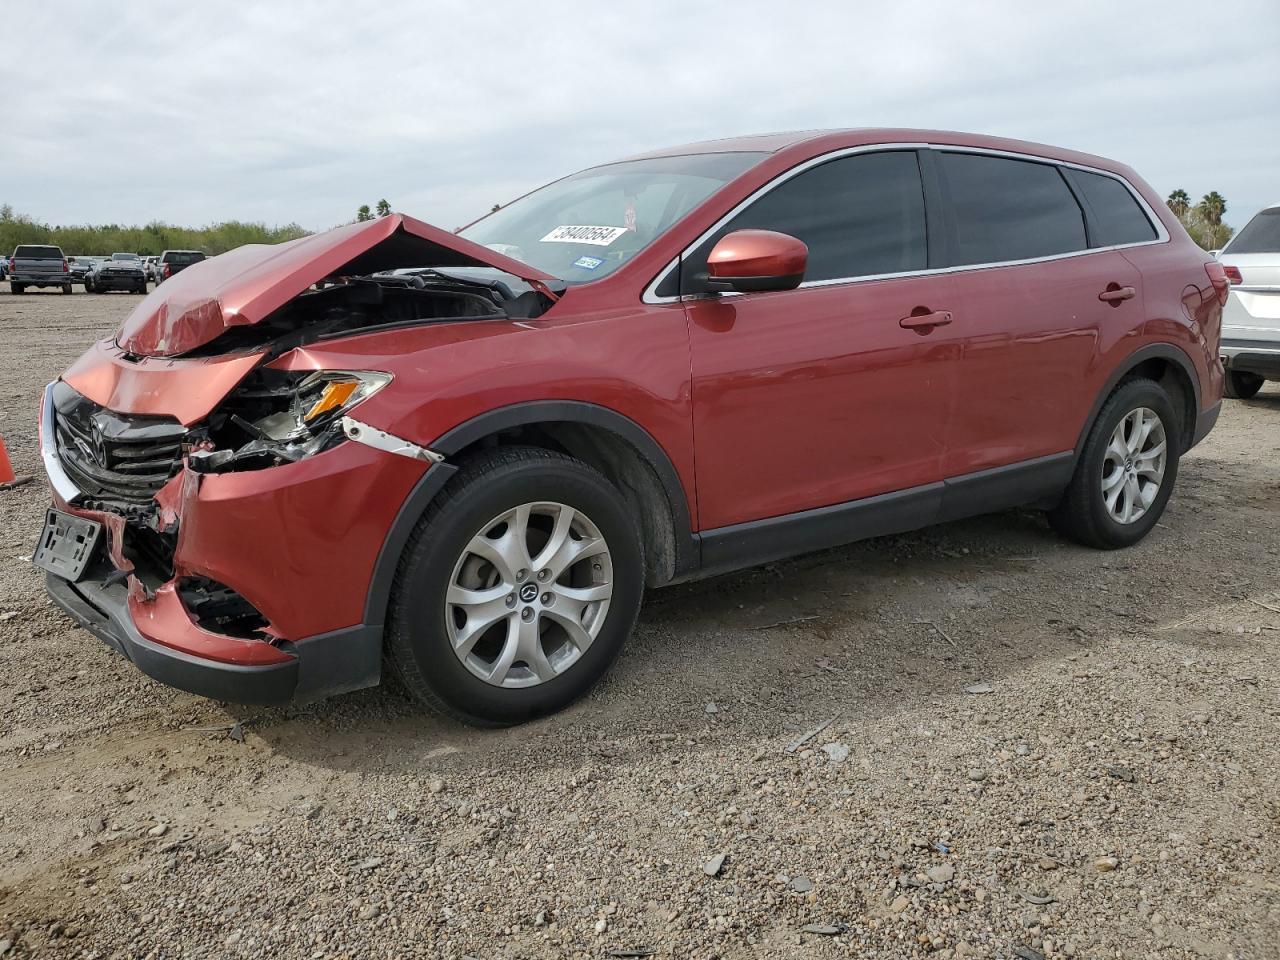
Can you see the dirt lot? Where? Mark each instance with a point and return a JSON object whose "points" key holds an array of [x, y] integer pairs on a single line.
{"points": [[1037, 750]]}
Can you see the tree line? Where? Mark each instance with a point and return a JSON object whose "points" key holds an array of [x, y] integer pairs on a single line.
{"points": [[1202, 220], [153, 238]]}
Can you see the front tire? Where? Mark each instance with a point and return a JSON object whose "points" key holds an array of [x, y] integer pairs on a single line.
{"points": [[1126, 472], [517, 589], [1241, 386]]}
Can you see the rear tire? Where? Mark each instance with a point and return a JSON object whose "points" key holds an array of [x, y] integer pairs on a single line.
{"points": [[66, 288], [1241, 386], [576, 611], [1115, 496], [17, 288]]}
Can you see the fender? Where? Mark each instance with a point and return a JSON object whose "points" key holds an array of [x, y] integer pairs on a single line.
{"points": [[1154, 351], [505, 418]]}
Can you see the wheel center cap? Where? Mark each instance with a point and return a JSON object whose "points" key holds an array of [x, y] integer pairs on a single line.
{"points": [[529, 592]]}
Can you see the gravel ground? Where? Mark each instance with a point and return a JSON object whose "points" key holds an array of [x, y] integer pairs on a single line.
{"points": [[1024, 749]]}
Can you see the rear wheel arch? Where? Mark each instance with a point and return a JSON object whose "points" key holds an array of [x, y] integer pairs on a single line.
{"points": [[1172, 369]]}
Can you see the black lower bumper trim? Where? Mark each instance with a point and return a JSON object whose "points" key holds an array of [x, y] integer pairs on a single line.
{"points": [[1205, 422], [323, 665], [1260, 363]]}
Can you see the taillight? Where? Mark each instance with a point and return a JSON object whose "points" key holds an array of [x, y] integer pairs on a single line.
{"points": [[66, 267], [1233, 274], [165, 270], [1218, 277]]}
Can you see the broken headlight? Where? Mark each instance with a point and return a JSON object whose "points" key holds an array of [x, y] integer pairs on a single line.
{"points": [[278, 417]]}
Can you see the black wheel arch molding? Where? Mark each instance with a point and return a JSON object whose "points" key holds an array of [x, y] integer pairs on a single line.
{"points": [[531, 413], [1152, 351]]}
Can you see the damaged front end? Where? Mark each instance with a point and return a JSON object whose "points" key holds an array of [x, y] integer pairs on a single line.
{"points": [[226, 545]]}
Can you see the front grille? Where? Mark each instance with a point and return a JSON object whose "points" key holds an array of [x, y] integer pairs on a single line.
{"points": [[114, 456]]}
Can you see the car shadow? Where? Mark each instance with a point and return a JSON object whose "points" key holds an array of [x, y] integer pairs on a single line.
{"points": [[861, 631]]}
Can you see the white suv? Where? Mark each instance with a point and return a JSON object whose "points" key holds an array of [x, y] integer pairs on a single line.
{"points": [[1251, 320]]}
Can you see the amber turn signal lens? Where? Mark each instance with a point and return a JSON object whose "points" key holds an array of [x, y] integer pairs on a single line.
{"points": [[333, 397]]}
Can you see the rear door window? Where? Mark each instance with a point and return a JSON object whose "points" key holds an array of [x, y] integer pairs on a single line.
{"points": [[31, 252], [1117, 216], [1260, 235], [860, 216], [1008, 210]]}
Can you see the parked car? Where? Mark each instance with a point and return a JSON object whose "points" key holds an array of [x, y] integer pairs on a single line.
{"points": [[79, 267], [149, 267], [38, 265], [172, 262], [690, 362], [1251, 321], [122, 272]]}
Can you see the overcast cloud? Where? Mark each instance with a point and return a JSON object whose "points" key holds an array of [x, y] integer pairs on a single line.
{"points": [[281, 111]]}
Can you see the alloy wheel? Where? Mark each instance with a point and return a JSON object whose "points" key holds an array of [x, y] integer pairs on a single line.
{"points": [[1134, 464], [529, 594]]}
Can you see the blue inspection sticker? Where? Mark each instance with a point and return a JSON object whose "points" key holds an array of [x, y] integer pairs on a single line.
{"points": [[588, 263]]}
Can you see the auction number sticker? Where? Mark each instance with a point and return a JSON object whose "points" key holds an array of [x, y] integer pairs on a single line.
{"points": [[596, 236]]}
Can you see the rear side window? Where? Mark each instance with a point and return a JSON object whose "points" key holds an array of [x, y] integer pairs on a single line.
{"points": [[860, 216], [37, 253], [1260, 235], [1010, 209], [1117, 217]]}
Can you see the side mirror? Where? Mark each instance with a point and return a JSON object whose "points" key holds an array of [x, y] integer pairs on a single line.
{"points": [[750, 261]]}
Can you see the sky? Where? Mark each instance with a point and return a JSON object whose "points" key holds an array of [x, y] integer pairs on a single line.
{"points": [[281, 111]]}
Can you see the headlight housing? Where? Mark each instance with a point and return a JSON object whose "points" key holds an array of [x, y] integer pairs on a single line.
{"points": [[278, 417]]}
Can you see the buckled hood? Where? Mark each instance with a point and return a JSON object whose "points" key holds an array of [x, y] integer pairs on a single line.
{"points": [[245, 285]]}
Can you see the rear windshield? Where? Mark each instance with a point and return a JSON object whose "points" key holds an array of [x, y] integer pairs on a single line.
{"points": [[184, 257], [125, 256], [1260, 235], [37, 253]]}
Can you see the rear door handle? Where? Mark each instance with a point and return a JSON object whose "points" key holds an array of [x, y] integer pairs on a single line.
{"points": [[924, 322], [1114, 294]]}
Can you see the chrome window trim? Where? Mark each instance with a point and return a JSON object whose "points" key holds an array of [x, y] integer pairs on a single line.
{"points": [[1162, 234]]}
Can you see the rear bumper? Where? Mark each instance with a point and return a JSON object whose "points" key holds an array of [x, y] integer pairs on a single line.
{"points": [[41, 279], [1261, 357]]}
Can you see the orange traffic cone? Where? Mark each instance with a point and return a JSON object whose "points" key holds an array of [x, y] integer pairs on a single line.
{"points": [[6, 468]]}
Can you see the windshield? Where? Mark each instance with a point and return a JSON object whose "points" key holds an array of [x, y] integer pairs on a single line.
{"points": [[1260, 235], [585, 226]]}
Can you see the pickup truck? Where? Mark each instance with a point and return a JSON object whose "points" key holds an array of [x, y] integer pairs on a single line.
{"points": [[175, 261], [38, 266]]}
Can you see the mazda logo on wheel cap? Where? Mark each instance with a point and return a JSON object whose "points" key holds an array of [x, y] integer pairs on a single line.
{"points": [[529, 592]]}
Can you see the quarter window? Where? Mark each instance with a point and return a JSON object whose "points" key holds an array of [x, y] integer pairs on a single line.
{"points": [[860, 216], [1010, 209], [1116, 216]]}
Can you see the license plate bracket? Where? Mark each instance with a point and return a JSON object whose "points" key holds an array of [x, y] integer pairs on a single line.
{"points": [[67, 544]]}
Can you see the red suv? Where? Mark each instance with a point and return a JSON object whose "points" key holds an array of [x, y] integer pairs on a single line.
{"points": [[468, 455]]}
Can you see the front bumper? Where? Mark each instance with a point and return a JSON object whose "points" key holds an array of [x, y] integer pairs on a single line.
{"points": [[118, 281], [300, 542], [103, 610]]}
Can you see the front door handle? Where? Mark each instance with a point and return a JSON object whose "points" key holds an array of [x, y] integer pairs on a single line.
{"points": [[924, 322], [1116, 293]]}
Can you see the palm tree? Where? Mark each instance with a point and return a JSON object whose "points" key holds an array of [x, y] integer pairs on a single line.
{"points": [[383, 208], [1212, 207], [1179, 203]]}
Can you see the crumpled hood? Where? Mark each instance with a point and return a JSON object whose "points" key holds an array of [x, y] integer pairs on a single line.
{"points": [[245, 285]]}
